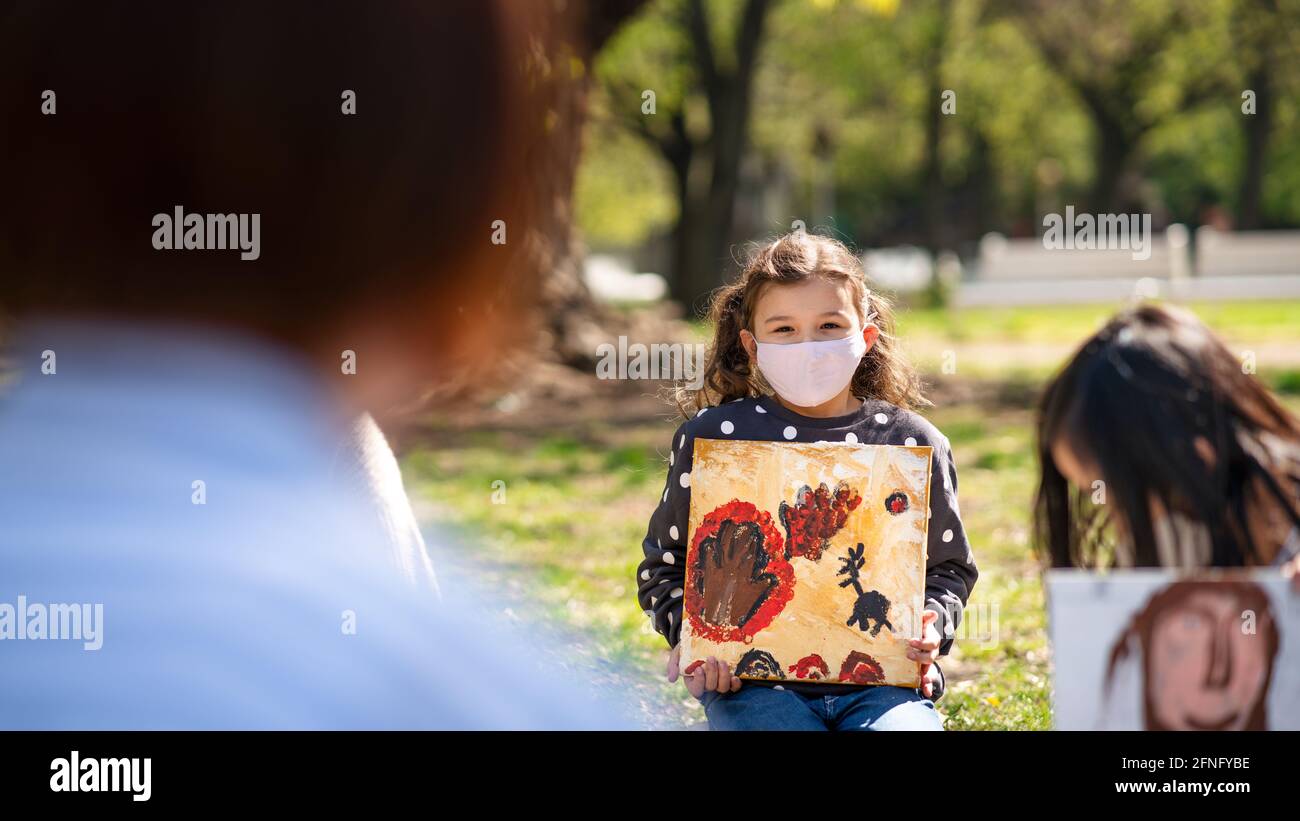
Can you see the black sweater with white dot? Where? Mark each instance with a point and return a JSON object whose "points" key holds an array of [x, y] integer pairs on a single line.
{"points": [[950, 566]]}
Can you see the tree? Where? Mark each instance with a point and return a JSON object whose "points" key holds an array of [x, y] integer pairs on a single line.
{"points": [[704, 152], [1261, 37], [1110, 54], [566, 40]]}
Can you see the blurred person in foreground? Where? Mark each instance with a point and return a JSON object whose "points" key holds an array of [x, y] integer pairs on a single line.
{"points": [[198, 517], [1199, 463]]}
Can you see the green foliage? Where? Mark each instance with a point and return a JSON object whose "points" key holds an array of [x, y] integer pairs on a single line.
{"points": [[614, 164], [1287, 382], [856, 73]]}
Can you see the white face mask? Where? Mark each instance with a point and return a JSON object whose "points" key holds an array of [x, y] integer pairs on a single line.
{"points": [[807, 374]]}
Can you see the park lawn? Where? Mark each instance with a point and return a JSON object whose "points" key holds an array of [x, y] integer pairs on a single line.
{"points": [[998, 675], [1263, 320], [1028, 344], [565, 543]]}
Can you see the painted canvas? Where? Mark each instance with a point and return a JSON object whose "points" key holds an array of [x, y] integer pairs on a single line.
{"points": [[1149, 650], [806, 561]]}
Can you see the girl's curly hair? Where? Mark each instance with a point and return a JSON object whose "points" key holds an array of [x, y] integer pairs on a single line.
{"points": [[793, 258]]}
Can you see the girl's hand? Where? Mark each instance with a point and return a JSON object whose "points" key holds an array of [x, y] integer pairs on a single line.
{"points": [[1292, 571], [930, 680], [926, 649], [703, 675]]}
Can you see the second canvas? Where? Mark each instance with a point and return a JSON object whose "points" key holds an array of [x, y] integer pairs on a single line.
{"points": [[807, 561]]}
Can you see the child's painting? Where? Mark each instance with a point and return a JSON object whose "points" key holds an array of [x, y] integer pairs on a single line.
{"points": [[807, 561], [1148, 650]]}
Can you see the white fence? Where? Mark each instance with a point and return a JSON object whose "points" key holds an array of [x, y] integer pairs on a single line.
{"points": [[1003, 260], [1218, 265], [1247, 253], [1246, 265]]}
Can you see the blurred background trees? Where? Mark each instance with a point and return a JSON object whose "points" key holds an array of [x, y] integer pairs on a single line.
{"points": [[932, 122]]}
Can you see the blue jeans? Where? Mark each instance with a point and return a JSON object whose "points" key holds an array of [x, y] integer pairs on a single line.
{"points": [[760, 707]]}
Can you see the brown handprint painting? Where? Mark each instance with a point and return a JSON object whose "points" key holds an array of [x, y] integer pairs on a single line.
{"points": [[807, 561]]}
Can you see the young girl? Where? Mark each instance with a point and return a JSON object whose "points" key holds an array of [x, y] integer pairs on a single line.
{"points": [[804, 352], [1199, 463]]}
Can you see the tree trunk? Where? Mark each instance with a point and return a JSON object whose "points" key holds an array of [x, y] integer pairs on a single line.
{"points": [[704, 230], [1111, 153], [1257, 128], [932, 173], [571, 319], [696, 250], [704, 227], [932, 182]]}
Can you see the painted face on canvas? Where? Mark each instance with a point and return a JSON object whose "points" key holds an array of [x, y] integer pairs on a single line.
{"points": [[1208, 664]]}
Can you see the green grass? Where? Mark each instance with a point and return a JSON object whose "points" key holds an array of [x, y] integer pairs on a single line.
{"points": [[567, 534], [1263, 321], [1001, 683], [1029, 344], [1284, 382]]}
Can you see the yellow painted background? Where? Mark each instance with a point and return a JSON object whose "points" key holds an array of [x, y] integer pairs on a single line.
{"points": [[814, 621]]}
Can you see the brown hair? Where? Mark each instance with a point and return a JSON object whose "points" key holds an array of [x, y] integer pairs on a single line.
{"points": [[793, 258], [236, 107]]}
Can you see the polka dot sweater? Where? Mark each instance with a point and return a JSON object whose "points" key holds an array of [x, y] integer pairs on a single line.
{"points": [[950, 567]]}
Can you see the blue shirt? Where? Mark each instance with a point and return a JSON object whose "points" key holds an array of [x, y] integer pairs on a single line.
{"points": [[188, 485]]}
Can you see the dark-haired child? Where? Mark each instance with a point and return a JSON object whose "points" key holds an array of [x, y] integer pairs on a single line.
{"points": [[1199, 464]]}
